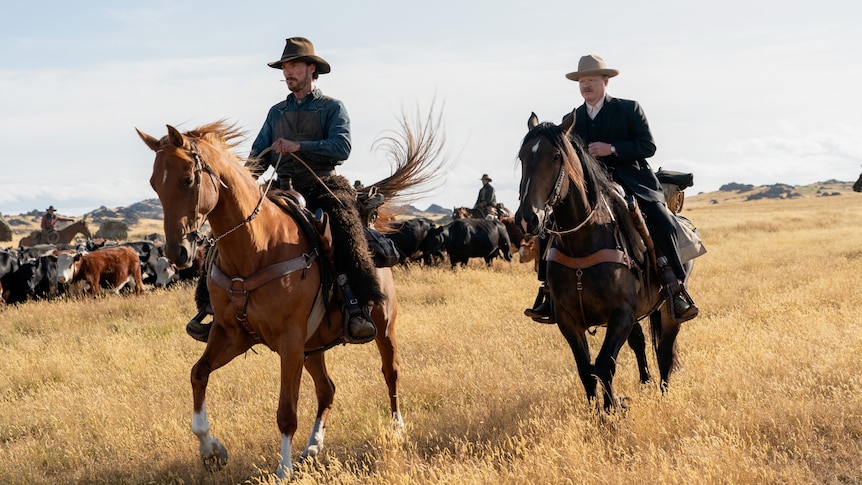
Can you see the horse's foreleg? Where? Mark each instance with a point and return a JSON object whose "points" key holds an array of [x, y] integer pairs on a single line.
{"points": [[577, 339], [219, 351], [291, 373], [638, 344], [619, 328], [315, 364]]}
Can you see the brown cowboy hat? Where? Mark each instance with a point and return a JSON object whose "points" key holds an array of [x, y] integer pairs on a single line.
{"points": [[300, 49], [486, 177], [591, 65], [50, 209]]}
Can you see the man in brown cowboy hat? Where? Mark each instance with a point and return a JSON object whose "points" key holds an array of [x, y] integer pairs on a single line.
{"points": [[49, 220], [616, 132], [487, 200], [304, 138]]}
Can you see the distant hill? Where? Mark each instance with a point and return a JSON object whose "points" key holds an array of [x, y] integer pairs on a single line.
{"points": [[145, 209], [147, 214]]}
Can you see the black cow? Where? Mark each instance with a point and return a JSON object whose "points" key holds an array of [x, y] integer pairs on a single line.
{"points": [[26, 253], [8, 266], [476, 238], [34, 279], [410, 239]]}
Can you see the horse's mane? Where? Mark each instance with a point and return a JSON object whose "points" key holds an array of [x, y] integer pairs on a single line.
{"points": [[228, 135], [590, 177], [595, 173]]}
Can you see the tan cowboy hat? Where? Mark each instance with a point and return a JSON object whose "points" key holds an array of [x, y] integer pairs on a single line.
{"points": [[591, 65], [298, 49], [486, 177]]}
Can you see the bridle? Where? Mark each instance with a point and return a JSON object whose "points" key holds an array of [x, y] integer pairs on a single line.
{"points": [[197, 236], [556, 196]]}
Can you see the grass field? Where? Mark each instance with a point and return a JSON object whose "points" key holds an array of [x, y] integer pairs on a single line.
{"points": [[769, 391]]}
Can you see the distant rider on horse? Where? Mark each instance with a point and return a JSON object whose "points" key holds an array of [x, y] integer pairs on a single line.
{"points": [[49, 220]]}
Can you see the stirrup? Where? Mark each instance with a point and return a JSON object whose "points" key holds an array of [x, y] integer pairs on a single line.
{"points": [[682, 294], [197, 329], [542, 311], [358, 318]]}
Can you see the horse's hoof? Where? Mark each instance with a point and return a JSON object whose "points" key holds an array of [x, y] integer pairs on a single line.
{"points": [[217, 459]]}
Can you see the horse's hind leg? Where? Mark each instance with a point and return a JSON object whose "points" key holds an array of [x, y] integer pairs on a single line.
{"points": [[637, 342], [664, 333], [219, 351], [324, 388], [391, 361], [385, 315]]}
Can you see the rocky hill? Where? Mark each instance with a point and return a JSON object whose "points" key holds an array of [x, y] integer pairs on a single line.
{"points": [[146, 216]]}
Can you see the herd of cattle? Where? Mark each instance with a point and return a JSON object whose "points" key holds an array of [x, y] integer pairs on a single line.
{"points": [[422, 240], [48, 271]]}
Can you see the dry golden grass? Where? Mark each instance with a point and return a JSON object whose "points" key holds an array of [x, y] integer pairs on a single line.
{"points": [[769, 392]]}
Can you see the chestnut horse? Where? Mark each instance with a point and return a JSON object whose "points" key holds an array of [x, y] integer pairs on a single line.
{"points": [[60, 236], [598, 274], [274, 271]]}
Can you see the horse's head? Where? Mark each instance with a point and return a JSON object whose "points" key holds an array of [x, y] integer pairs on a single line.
{"points": [[85, 229], [547, 168], [460, 213], [180, 179]]}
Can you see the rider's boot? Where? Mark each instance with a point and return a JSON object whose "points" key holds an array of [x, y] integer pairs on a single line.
{"points": [[682, 306], [360, 328], [196, 328], [541, 310]]}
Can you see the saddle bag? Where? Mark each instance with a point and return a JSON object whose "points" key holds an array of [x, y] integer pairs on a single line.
{"points": [[383, 250]]}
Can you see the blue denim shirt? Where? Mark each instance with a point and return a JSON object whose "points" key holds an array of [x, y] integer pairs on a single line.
{"points": [[333, 119]]}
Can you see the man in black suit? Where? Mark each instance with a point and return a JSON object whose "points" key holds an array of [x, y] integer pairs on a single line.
{"points": [[616, 132]]}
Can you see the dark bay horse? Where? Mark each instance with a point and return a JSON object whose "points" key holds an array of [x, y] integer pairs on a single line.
{"points": [[597, 273], [60, 236], [497, 212], [274, 273], [857, 186]]}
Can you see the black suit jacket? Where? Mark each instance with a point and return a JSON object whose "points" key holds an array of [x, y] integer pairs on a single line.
{"points": [[624, 125]]}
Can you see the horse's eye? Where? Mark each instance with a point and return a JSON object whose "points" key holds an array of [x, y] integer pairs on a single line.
{"points": [[558, 156], [189, 181]]}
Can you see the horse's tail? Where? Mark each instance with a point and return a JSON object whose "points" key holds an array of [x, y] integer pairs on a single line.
{"points": [[416, 154]]}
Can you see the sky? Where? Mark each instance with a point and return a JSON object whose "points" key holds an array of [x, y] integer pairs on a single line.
{"points": [[755, 92]]}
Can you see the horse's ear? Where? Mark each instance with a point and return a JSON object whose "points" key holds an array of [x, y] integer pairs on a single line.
{"points": [[150, 140], [533, 121], [177, 139], [568, 122]]}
